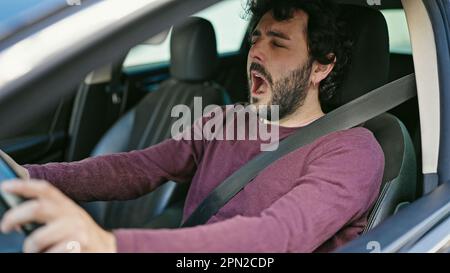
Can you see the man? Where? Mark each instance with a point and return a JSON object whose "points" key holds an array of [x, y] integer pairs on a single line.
{"points": [[313, 199]]}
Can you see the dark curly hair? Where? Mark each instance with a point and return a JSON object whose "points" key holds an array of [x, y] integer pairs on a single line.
{"points": [[327, 36]]}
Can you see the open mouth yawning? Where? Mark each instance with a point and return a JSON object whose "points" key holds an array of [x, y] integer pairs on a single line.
{"points": [[260, 85]]}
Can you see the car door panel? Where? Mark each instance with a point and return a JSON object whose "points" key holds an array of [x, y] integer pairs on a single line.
{"points": [[42, 142]]}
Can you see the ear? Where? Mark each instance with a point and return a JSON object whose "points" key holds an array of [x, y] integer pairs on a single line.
{"points": [[321, 71]]}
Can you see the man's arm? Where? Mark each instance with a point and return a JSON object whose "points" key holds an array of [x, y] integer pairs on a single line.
{"points": [[339, 187], [123, 176]]}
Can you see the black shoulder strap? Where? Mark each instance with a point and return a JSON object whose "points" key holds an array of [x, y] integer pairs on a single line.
{"points": [[347, 116]]}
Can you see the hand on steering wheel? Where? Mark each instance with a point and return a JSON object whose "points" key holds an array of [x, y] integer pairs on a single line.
{"points": [[65, 224]]}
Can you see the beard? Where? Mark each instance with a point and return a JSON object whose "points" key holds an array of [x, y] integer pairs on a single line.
{"points": [[288, 93]]}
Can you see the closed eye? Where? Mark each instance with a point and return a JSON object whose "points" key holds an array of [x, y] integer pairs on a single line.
{"points": [[276, 44]]}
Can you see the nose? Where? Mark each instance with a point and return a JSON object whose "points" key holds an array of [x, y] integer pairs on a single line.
{"points": [[256, 53]]}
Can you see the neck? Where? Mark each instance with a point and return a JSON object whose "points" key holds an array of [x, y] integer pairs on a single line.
{"points": [[305, 114]]}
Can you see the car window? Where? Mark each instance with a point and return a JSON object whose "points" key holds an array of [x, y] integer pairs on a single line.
{"points": [[399, 41], [227, 17]]}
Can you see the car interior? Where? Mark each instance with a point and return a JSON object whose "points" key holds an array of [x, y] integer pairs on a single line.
{"points": [[118, 111], [372, 66]]}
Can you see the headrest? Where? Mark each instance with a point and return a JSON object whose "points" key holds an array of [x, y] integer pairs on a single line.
{"points": [[369, 66], [193, 50]]}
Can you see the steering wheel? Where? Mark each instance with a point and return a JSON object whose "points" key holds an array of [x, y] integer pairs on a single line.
{"points": [[11, 242]]}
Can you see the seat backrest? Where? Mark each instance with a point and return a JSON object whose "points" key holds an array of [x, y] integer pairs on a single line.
{"points": [[369, 66], [194, 61], [399, 180], [369, 69]]}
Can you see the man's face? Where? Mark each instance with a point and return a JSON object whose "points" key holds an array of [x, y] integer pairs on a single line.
{"points": [[278, 65]]}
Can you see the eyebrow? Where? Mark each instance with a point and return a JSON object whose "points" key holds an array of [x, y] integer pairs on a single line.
{"points": [[272, 33], [278, 34]]}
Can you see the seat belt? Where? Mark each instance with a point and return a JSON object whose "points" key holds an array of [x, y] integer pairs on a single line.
{"points": [[347, 116]]}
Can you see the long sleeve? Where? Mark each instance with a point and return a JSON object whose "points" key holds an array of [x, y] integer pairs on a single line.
{"points": [[339, 186], [123, 176]]}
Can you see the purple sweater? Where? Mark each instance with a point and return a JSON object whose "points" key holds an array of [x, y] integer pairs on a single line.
{"points": [[313, 199]]}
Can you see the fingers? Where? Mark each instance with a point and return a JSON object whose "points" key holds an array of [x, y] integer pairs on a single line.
{"points": [[44, 205], [68, 227], [27, 212], [45, 238], [35, 189]]}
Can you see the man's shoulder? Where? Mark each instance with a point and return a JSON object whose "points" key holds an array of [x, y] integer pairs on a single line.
{"points": [[358, 134], [354, 139]]}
